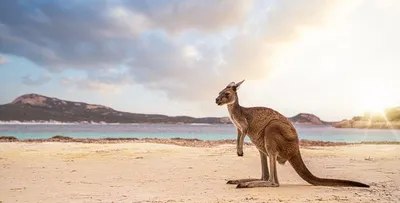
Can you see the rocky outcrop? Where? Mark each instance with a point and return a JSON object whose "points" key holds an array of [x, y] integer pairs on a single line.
{"points": [[307, 119]]}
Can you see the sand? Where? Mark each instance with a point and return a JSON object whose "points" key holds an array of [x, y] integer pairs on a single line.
{"points": [[153, 172]]}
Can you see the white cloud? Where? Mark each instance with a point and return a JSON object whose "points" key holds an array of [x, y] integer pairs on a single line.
{"points": [[30, 80], [110, 82]]}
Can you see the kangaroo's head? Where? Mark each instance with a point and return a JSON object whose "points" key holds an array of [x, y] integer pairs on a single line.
{"points": [[228, 94]]}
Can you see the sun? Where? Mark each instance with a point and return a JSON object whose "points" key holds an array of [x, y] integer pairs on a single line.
{"points": [[374, 105], [373, 95]]}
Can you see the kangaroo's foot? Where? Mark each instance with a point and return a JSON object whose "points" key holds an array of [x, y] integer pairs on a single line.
{"points": [[259, 183], [235, 182]]}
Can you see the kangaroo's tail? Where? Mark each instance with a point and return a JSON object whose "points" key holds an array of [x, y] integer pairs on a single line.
{"points": [[302, 170]]}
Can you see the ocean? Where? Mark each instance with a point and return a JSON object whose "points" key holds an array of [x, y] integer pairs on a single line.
{"points": [[202, 132]]}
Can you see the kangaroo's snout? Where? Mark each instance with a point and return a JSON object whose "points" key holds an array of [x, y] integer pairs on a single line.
{"points": [[217, 100]]}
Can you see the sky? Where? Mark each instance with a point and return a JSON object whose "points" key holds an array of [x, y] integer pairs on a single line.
{"points": [[334, 59]]}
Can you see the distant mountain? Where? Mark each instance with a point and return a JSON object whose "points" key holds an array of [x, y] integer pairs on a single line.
{"points": [[35, 107], [307, 119]]}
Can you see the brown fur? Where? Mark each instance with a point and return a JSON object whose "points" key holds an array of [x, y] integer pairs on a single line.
{"points": [[274, 136]]}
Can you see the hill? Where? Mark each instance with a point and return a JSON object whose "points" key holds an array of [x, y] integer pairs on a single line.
{"points": [[35, 107], [307, 119]]}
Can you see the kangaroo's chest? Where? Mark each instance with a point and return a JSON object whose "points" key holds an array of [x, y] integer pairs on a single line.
{"points": [[236, 123]]}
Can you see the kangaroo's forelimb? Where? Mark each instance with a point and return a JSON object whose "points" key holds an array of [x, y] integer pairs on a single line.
{"points": [[240, 142]]}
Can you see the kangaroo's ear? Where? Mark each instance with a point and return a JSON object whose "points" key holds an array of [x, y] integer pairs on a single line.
{"points": [[238, 84], [232, 84]]}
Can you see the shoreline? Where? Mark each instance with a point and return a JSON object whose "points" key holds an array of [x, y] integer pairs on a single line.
{"points": [[345, 124], [178, 141]]}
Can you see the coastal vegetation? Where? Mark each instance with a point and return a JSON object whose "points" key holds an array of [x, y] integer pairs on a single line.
{"points": [[387, 119]]}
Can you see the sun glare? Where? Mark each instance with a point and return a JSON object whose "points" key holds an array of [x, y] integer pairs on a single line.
{"points": [[373, 96]]}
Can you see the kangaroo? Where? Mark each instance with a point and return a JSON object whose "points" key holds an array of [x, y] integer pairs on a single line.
{"points": [[275, 137]]}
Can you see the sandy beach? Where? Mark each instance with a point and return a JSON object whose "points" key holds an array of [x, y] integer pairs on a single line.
{"points": [[156, 172]]}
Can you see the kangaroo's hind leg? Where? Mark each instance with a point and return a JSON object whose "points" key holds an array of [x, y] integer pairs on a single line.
{"points": [[264, 171], [272, 180], [271, 133]]}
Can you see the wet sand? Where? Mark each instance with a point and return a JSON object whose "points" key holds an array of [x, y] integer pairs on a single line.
{"points": [[139, 171]]}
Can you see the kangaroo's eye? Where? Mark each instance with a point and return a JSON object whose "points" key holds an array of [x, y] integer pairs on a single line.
{"points": [[227, 94]]}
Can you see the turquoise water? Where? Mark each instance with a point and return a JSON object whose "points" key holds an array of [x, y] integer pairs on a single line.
{"points": [[202, 132]]}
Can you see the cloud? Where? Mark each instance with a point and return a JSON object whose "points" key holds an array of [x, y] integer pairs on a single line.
{"points": [[109, 82], [97, 35], [2, 60], [29, 80], [184, 48], [96, 86], [180, 15]]}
